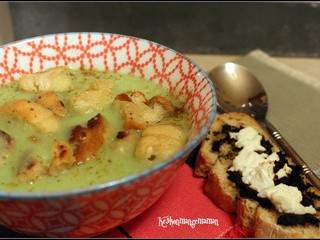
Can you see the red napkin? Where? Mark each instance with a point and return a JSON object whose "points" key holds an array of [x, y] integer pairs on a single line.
{"points": [[183, 211]]}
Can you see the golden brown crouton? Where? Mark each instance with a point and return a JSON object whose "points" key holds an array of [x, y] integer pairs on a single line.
{"points": [[139, 113], [95, 98], [32, 113], [159, 142], [165, 103], [62, 157], [56, 79], [51, 101], [88, 140]]}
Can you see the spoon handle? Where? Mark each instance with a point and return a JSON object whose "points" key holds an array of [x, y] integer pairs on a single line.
{"points": [[293, 154]]}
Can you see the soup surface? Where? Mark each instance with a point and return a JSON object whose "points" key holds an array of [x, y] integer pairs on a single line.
{"points": [[68, 129]]}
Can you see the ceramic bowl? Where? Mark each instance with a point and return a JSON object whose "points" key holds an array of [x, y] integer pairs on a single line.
{"points": [[92, 211]]}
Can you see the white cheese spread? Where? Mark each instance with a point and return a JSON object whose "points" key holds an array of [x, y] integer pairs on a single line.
{"points": [[283, 172], [248, 138], [257, 172], [287, 199], [256, 168]]}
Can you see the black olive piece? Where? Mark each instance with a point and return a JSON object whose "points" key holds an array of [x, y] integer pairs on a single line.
{"points": [[227, 129], [280, 164], [282, 155], [230, 141], [216, 145], [267, 145], [290, 219], [306, 200], [295, 179]]}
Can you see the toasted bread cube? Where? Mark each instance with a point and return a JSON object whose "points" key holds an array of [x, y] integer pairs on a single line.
{"points": [[95, 98], [51, 101], [62, 157], [57, 79], [139, 113], [88, 140], [159, 142], [33, 113]]}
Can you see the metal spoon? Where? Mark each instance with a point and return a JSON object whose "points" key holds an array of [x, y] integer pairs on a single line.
{"points": [[238, 90]]}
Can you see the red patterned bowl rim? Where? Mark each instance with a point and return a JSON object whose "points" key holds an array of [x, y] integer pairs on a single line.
{"points": [[134, 177]]}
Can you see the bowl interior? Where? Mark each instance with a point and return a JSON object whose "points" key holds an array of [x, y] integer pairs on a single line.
{"points": [[122, 54]]}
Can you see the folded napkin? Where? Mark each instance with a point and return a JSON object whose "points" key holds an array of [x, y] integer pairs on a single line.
{"points": [[184, 211]]}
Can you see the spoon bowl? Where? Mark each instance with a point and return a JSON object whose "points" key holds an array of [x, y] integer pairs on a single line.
{"points": [[238, 90]]}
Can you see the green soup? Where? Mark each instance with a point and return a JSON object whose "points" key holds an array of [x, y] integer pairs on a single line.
{"points": [[108, 164]]}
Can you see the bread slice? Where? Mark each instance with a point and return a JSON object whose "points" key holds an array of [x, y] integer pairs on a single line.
{"points": [[220, 189], [206, 158], [266, 226], [213, 164], [209, 164]]}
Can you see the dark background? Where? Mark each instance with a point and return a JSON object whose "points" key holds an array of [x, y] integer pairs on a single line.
{"points": [[281, 29]]}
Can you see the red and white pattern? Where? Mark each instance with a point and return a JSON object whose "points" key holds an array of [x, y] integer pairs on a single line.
{"points": [[91, 214]]}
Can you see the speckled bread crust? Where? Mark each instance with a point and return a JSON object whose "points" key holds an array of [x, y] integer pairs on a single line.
{"points": [[220, 189], [224, 193], [246, 212]]}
